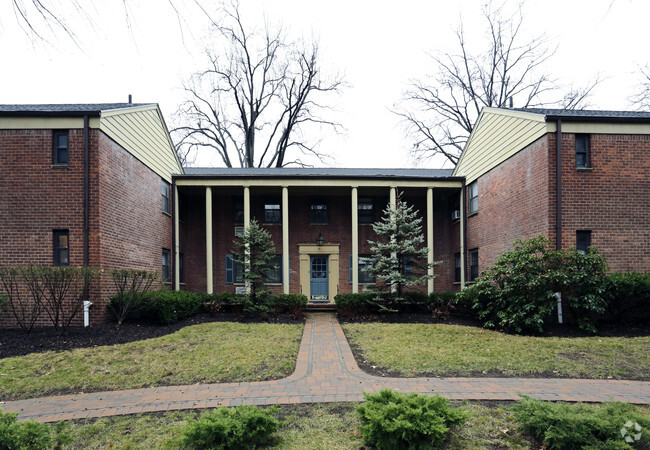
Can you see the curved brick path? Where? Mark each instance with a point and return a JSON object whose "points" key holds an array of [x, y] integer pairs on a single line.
{"points": [[325, 372]]}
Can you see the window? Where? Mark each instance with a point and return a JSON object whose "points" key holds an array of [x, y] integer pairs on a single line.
{"points": [[457, 268], [165, 197], [234, 271], [318, 212], [238, 208], [166, 258], [582, 151], [473, 264], [407, 265], [473, 197], [366, 210], [274, 275], [272, 212], [583, 241], [181, 267], [364, 264], [61, 248], [60, 148]]}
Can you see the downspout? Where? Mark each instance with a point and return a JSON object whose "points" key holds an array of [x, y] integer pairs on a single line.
{"points": [[558, 185], [86, 190], [463, 217], [172, 194], [87, 304]]}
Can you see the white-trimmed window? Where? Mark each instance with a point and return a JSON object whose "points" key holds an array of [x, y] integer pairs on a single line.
{"points": [[473, 197]]}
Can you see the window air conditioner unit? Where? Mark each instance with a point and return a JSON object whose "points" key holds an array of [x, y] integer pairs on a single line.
{"points": [[239, 231], [455, 215]]}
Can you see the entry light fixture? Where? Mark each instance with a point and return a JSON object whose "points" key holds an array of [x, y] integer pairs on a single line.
{"points": [[320, 241]]}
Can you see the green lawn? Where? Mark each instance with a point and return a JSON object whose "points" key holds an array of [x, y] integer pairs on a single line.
{"points": [[206, 353], [454, 350], [318, 426]]}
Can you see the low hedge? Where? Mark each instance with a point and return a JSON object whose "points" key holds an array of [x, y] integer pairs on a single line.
{"points": [[167, 307], [628, 297], [294, 304]]}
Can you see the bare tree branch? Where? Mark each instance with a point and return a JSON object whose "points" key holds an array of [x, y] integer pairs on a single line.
{"points": [[642, 99], [256, 97], [439, 112]]}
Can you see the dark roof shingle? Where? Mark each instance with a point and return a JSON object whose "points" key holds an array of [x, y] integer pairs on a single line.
{"points": [[588, 114], [65, 109], [320, 172]]}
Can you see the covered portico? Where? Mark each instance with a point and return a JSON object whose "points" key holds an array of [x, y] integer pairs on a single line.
{"points": [[305, 253]]}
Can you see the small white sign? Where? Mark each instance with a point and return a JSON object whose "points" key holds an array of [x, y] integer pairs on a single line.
{"points": [[240, 290]]}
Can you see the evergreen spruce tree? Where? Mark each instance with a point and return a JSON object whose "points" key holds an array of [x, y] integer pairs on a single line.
{"points": [[255, 252], [399, 258]]}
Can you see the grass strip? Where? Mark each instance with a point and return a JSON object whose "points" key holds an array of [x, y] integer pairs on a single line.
{"points": [[205, 353], [455, 350]]}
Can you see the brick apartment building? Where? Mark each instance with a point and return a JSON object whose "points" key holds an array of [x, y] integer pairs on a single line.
{"points": [[101, 185], [82, 185], [594, 191]]}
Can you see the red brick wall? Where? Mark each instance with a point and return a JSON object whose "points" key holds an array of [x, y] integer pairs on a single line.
{"points": [[128, 216], [127, 227], [337, 231], [37, 199], [612, 200], [514, 202], [517, 200]]}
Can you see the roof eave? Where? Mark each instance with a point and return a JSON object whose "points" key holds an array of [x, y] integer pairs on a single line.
{"points": [[601, 119], [93, 113]]}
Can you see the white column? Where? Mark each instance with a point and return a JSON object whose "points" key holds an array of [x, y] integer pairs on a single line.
{"points": [[430, 239], [208, 239], [247, 206], [285, 239], [177, 258], [355, 241], [393, 206], [462, 238], [247, 222]]}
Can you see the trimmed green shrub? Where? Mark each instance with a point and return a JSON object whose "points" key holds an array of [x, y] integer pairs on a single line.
{"points": [[565, 425], [167, 307], [516, 293], [628, 297], [30, 434], [294, 304], [390, 420], [242, 427], [353, 305]]}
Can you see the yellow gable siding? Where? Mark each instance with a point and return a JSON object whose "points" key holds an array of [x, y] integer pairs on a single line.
{"points": [[142, 132], [498, 136]]}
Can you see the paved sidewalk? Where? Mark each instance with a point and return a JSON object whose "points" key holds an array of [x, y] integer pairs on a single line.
{"points": [[325, 372]]}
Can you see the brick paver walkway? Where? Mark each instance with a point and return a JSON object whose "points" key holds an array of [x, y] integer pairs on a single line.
{"points": [[325, 372]]}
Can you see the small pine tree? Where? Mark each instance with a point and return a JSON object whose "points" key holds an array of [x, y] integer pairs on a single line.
{"points": [[399, 258], [255, 252]]}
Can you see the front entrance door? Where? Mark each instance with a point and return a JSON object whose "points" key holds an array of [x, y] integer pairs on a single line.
{"points": [[319, 278]]}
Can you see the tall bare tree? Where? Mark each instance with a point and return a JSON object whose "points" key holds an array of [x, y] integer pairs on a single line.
{"points": [[440, 112], [642, 99], [253, 102]]}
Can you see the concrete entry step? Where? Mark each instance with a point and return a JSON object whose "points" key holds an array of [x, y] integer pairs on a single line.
{"points": [[320, 306]]}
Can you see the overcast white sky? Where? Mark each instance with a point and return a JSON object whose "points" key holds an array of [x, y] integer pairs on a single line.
{"points": [[377, 45]]}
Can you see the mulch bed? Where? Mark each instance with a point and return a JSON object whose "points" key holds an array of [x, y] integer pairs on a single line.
{"points": [[18, 343]]}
